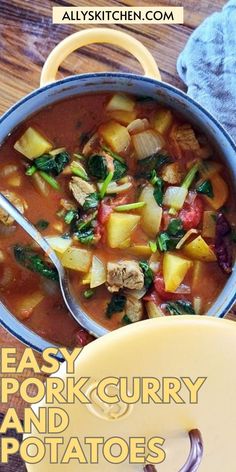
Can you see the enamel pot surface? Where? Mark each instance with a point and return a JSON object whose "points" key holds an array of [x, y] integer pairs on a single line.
{"points": [[150, 85]]}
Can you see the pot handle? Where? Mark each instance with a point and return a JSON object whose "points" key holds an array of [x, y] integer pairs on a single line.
{"points": [[98, 35]]}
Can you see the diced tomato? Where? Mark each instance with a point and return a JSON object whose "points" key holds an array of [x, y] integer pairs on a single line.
{"points": [[165, 220], [160, 290], [191, 215], [104, 212], [100, 232]]}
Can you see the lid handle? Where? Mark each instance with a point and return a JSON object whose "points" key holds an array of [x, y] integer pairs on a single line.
{"points": [[195, 455], [98, 35]]}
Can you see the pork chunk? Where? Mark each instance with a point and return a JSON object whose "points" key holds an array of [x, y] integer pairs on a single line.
{"points": [[124, 274], [186, 138], [5, 218], [134, 309], [81, 189], [171, 174]]}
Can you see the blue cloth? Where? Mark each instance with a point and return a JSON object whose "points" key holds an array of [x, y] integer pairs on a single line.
{"points": [[207, 65]]}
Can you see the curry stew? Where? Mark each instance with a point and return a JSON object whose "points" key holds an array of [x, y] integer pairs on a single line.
{"points": [[133, 200]]}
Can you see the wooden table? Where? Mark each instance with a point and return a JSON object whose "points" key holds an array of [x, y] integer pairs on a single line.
{"points": [[27, 36]]}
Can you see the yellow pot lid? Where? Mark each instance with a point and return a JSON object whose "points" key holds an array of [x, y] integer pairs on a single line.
{"points": [[170, 347]]}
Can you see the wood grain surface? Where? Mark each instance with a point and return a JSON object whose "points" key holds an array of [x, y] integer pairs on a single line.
{"points": [[27, 36]]}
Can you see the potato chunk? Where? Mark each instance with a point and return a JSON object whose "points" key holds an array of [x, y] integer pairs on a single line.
{"points": [[123, 117], [209, 224], [163, 120], [32, 144], [98, 273], [120, 101], [77, 259], [199, 250], [174, 270], [27, 303], [115, 135], [220, 192], [151, 213], [140, 250], [119, 229], [58, 243]]}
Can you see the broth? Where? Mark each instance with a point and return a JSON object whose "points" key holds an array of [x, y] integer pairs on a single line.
{"points": [[179, 194]]}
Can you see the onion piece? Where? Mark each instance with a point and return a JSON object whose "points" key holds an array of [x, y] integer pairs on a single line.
{"points": [[155, 266], [191, 197], [49, 287], [91, 144], [120, 101], [40, 184], [114, 188], [197, 305], [138, 125], [175, 197], [78, 169], [185, 237], [147, 143], [183, 289]]}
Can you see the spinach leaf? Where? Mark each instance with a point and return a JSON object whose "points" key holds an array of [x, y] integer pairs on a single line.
{"points": [[45, 162], [85, 235], [54, 165], [97, 167], [158, 184], [32, 261], [116, 304], [180, 307], [61, 161], [80, 226], [42, 224], [164, 241], [206, 188], [69, 216], [148, 273], [120, 169], [84, 229], [168, 240], [175, 227], [154, 162], [91, 201], [88, 293]]}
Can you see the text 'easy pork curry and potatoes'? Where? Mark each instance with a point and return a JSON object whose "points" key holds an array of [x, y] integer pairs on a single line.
{"points": [[133, 200]]}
